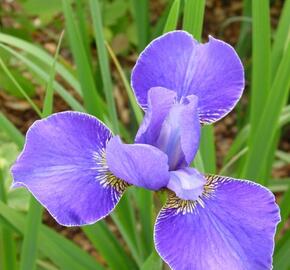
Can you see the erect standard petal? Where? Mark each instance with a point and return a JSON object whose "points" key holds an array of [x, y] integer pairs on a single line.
{"points": [[138, 164], [231, 226], [212, 71], [171, 126], [63, 166]]}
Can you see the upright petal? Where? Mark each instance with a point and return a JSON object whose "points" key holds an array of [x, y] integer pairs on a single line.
{"points": [[160, 101], [231, 226], [171, 126], [63, 166], [138, 164], [211, 71], [187, 183]]}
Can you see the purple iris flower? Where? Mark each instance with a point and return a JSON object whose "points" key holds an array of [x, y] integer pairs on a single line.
{"points": [[78, 170]]}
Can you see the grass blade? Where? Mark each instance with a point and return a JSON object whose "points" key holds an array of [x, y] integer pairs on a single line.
{"points": [[153, 262], [136, 109], [141, 15], [193, 17], [70, 100], [61, 251], [93, 102], [281, 256], [105, 242], [284, 209], [8, 261], [48, 99], [261, 71], [20, 89], [260, 142], [104, 62], [30, 242], [11, 131], [44, 57], [281, 38], [172, 19]]}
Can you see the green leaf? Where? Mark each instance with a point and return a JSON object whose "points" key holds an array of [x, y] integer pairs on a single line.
{"points": [[106, 243], [31, 233], [260, 142], [103, 62], [153, 262], [136, 109], [92, 100], [261, 69], [8, 254], [281, 38], [281, 256], [172, 19], [193, 17], [11, 130], [141, 15], [20, 89], [48, 99], [61, 251], [44, 76], [284, 209]]}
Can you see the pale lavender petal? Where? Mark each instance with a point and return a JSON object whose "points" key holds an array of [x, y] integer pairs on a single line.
{"points": [[63, 166], [211, 71], [180, 133], [171, 126], [160, 101], [138, 164], [232, 226], [187, 183]]}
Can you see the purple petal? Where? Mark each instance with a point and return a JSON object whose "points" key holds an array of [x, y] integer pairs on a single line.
{"points": [[231, 226], [187, 183], [138, 164], [160, 101], [211, 71], [63, 166], [171, 126]]}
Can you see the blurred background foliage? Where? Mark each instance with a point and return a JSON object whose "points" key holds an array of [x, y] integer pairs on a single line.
{"points": [[87, 68]]}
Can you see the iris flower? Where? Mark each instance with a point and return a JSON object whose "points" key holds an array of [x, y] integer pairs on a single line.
{"points": [[78, 170]]}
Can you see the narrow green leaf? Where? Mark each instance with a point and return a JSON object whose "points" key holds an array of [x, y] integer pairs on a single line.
{"points": [[8, 261], [11, 130], [261, 70], [144, 201], [172, 19], [141, 15], [20, 89], [136, 109], [104, 62], [153, 262], [42, 56], [207, 149], [284, 209], [30, 241], [106, 243], [281, 256], [193, 17], [48, 99], [93, 102], [281, 38], [44, 76], [260, 142], [124, 218], [60, 250]]}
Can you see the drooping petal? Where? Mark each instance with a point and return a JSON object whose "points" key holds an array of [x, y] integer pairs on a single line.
{"points": [[187, 183], [231, 226], [171, 126], [63, 166], [138, 164], [212, 71]]}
